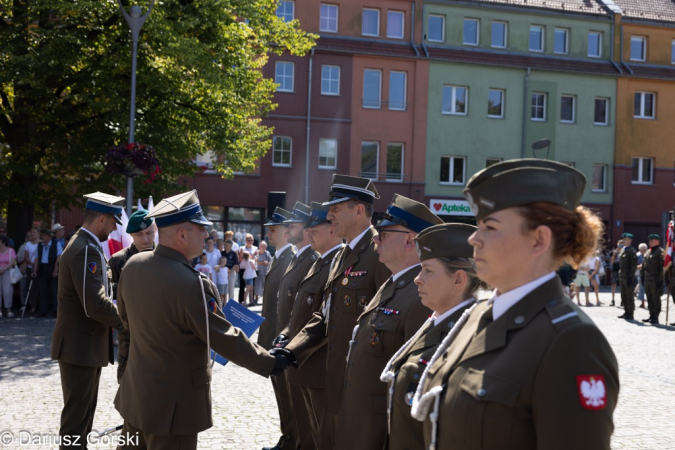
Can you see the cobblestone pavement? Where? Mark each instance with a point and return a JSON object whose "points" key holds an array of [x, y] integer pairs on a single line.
{"points": [[244, 411]]}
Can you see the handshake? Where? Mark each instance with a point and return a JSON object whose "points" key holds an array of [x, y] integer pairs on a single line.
{"points": [[284, 357]]}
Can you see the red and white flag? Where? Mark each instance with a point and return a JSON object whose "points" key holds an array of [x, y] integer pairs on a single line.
{"points": [[119, 238], [669, 244]]}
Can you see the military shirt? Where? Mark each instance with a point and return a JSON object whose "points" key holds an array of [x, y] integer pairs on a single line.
{"points": [[627, 264], [268, 329], [653, 266], [288, 287]]}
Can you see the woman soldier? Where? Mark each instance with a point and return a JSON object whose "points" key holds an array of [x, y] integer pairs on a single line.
{"points": [[527, 368], [447, 285]]}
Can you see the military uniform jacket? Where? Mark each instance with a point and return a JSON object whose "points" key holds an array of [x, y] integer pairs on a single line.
{"points": [[117, 262], [352, 283], [405, 432], [288, 287], [85, 312], [627, 264], [652, 266], [391, 318], [268, 329], [541, 376], [307, 302], [166, 386]]}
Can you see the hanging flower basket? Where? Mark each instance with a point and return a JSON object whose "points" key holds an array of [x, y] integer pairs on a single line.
{"points": [[132, 160]]}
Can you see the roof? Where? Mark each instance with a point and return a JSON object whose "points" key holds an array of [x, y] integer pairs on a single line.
{"points": [[366, 47], [648, 9], [576, 6]]}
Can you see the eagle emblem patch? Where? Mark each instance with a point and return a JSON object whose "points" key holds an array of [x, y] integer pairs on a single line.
{"points": [[592, 391]]}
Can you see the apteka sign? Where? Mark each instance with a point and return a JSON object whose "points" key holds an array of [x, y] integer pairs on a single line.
{"points": [[450, 207]]}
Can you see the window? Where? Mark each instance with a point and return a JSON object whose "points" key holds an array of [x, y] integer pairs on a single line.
{"points": [[395, 27], [471, 29], [561, 41], [601, 113], [327, 153], [281, 151], [370, 152], [642, 171], [436, 32], [492, 161], [594, 44], [330, 80], [496, 103], [536, 38], [638, 48], [370, 22], [567, 107], [394, 162], [499, 34], [538, 107], [285, 10], [599, 178], [328, 18], [372, 87], [397, 90], [455, 100], [453, 169], [644, 105], [283, 76]]}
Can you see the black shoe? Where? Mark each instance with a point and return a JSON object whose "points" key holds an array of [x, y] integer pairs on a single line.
{"points": [[647, 320], [612, 304], [672, 324], [654, 321], [626, 316]]}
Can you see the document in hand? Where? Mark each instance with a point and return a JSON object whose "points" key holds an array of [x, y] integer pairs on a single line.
{"points": [[242, 318]]}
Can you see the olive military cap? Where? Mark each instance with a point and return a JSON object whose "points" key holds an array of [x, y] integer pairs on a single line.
{"points": [[318, 215], [345, 187], [278, 217], [300, 214], [106, 204], [408, 213], [523, 181], [627, 235], [180, 208], [654, 236], [139, 221], [445, 241]]}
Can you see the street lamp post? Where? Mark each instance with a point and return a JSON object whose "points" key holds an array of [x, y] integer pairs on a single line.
{"points": [[135, 21]]}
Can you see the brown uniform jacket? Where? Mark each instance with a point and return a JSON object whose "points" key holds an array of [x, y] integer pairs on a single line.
{"points": [[405, 432], [391, 318], [82, 333], [307, 302], [528, 380], [268, 329], [166, 387], [288, 287], [349, 294]]}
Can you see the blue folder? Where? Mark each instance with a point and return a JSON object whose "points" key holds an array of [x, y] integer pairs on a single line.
{"points": [[242, 318]]}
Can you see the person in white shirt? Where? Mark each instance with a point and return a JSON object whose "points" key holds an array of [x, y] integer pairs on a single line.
{"points": [[30, 260], [222, 277], [582, 279], [212, 253], [247, 264], [205, 267]]}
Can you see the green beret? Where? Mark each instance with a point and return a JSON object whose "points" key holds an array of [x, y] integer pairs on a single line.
{"points": [[627, 235], [523, 181], [445, 240], [139, 222], [654, 236]]}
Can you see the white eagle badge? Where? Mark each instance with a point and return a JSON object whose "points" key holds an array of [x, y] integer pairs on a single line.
{"points": [[592, 391]]}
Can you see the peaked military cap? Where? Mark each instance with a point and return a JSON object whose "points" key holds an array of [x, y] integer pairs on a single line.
{"points": [[408, 213], [318, 215], [139, 221], [180, 208], [278, 217], [106, 204], [522, 181], [627, 235], [300, 214], [654, 236], [445, 241], [345, 187]]}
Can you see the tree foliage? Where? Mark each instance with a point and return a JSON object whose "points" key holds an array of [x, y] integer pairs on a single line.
{"points": [[65, 70]]}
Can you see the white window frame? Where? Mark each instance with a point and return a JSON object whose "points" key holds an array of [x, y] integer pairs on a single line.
{"points": [[542, 40], [606, 100], [454, 99], [286, 2], [387, 174], [567, 40], [335, 157], [292, 76], [536, 119], [328, 19], [599, 34], [405, 90], [402, 14], [363, 33], [503, 94], [506, 34], [477, 22], [330, 80], [377, 161], [442, 17], [640, 164], [642, 105], [604, 178], [451, 171], [574, 108], [379, 90], [643, 40], [290, 151]]}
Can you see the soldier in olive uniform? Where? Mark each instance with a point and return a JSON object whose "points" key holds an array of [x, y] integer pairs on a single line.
{"points": [[652, 267], [354, 279], [310, 379], [526, 369], [82, 340], [391, 318], [627, 268], [447, 285]]}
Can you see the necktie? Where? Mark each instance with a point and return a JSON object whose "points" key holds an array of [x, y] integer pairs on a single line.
{"points": [[345, 254]]}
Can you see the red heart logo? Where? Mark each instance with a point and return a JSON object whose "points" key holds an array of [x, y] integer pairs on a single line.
{"points": [[438, 206]]}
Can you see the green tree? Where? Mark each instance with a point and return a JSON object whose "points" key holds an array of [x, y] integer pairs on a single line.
{"points": [[65, 83]]}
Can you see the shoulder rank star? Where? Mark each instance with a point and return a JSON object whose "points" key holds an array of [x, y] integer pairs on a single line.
{"points": [[389, 311]]}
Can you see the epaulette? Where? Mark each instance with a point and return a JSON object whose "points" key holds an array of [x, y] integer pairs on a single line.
{"points": [[562, 314]]}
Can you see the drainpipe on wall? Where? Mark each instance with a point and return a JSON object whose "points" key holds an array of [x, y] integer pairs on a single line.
{"points": [[412, 29], [623, 63], [424, 37], [611, 48], [524, 135], [309, 111]]}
